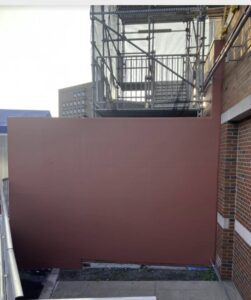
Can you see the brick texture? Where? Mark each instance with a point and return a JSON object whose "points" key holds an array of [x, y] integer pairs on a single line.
{"points": [[242, 267], [234, 203], [242, 251], [233, 254], [226, 196], [237, 71], [243, 183], [224, 250], [227, 170]]}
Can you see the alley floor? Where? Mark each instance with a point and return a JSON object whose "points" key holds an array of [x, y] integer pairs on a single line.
{"points": [[171, 290]]}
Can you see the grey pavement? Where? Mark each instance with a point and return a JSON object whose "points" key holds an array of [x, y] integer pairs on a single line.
{"points": [[171, 290]]}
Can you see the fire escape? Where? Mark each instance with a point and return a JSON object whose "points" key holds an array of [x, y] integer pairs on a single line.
{"points": [[149, 60]]}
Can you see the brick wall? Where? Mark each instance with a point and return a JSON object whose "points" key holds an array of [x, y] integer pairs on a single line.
{"points": [[243, 182], [237, 74], [233, 253], [226, 197], [234, 204], [242, 251], [242, 266]]}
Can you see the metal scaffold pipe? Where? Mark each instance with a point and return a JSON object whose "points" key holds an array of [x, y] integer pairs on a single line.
{"points": [[123, 38], [228, 45], [185, 9]]}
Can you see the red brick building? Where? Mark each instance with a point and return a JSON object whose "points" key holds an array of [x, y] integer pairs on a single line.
{"points": [[233, 250]]}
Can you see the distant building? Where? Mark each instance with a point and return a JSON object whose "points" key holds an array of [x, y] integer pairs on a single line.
{"points": [[4, 115], [20, 113], [76, 101]]}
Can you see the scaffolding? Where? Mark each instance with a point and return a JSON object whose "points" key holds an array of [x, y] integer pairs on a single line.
{"points": [[149, 60]]}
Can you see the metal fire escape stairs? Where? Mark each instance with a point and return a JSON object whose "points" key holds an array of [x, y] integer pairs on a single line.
{"points": [[146, 81]]}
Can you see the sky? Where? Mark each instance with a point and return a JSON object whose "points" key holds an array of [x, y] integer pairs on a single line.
{"points": [[42, 50]]}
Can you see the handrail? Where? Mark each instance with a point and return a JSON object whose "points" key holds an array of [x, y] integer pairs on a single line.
{"points": [[11, 284], [1, 264], [144, 81]]}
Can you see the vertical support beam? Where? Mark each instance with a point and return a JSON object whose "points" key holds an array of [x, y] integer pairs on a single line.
{"points": [[186, 74], [203, 51], [102, 84], [94, 83], [197, 64], [148, 78], [153, 66], [117, 62], [122, 59]]}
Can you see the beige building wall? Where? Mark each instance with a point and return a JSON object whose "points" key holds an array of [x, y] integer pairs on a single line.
{"points": [[76, 101]]}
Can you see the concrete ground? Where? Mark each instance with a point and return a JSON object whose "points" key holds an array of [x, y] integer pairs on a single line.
{"points": [[163, 290]]}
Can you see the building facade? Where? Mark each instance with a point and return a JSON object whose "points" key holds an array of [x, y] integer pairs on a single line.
{"points": [[233, 249], [76, 101]]}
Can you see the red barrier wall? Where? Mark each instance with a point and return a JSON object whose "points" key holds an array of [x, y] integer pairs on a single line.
{"points": [[124, 190]]}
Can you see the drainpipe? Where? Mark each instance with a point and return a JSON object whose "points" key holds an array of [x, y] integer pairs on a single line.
{"points": [[228, 45]]}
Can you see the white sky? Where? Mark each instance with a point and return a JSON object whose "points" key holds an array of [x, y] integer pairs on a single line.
{"points": [[42, 50]]}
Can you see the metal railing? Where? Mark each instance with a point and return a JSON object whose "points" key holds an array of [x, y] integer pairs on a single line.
{"points": [[138, 78], [137, 67], [10, 286]]}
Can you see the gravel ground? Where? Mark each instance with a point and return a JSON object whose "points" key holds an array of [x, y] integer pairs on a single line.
{"points": [[141, 274]]}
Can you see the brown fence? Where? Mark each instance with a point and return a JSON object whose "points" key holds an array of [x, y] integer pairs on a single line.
{"points": [[120, 190]]}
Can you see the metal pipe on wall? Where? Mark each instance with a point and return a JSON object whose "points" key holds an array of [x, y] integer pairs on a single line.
{"points": [[227, 46]]}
